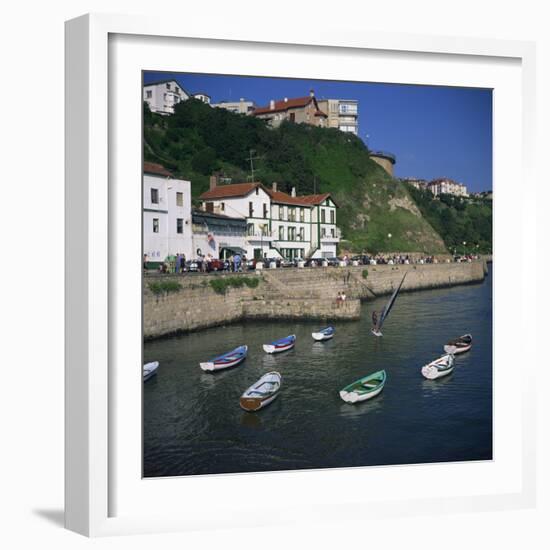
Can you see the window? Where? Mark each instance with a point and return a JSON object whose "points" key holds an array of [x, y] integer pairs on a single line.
{"points": [[155, 225], [154, 196], [222, 206], [292, 117], [265, 210], [292, 214], [323, 232], [148, 94], [179, 225], [250, 210], [332, 232], [291, 233], [250, 229], [176, 89], [179, 199], [257, 190], [322, 215], [281, 212], [302, 234], [302, 214], [332, 217], [167, 86], [281, 233]]}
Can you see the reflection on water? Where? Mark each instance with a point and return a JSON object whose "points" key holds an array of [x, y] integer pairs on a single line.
{"points": [[193, 423]]}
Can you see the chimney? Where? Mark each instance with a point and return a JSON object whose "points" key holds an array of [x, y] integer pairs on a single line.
{"points": [[274, 186], [272, 104], [213, 182], [311, 93], [293, 192]]}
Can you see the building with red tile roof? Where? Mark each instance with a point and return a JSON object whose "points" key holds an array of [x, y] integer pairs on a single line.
{"points": [[301, 110]]}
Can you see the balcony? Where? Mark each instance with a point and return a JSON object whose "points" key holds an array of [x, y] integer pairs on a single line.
{"points": [[328, 238]]}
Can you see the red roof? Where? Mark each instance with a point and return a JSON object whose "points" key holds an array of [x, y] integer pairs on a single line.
{"points": [[285, 198], [295, 103], [316, 199], [156, 169], [231, 190]]}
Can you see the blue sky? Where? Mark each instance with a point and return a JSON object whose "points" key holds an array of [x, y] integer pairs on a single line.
{"points": [[434, 131]]}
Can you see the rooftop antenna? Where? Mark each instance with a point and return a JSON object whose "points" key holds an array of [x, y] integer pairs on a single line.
{"points": [[251, 159]]}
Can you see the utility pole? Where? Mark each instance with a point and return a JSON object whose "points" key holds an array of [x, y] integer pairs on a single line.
{"points": [[251, 159]]}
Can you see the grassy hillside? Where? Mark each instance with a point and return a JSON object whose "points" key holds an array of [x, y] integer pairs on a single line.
{"points": [[198, 140], [458, 220]]}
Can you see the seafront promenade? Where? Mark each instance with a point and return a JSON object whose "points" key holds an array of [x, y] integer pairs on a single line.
{"points": [[189, 302]]}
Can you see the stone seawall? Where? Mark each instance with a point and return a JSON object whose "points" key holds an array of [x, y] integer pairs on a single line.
{"points": [[288, 294]]}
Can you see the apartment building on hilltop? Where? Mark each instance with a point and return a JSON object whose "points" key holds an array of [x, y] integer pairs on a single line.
{"points": [[342, 114]]}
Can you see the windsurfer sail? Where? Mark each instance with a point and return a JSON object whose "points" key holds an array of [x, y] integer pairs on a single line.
{"points": [[378, 321]]}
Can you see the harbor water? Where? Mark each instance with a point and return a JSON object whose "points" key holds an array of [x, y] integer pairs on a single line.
{"points": [[192, 422]]}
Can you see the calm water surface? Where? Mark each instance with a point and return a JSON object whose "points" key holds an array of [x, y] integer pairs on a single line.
{"points": [[193, 423]]}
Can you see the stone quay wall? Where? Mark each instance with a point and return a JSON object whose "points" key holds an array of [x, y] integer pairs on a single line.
{"points": [[308, 293]]}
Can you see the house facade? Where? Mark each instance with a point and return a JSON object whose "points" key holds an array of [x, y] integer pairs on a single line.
{"points": [[304, 110], [167, 227], [218, 235], [447, 186], [163, 96], [342, 114], [278, 224]]}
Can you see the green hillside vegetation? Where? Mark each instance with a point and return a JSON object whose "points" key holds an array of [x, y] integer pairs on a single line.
{"points": [[198, 140], [458, 220]]}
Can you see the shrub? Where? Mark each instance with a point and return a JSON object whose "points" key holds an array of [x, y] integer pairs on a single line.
{"points": [[365, 273], [222, 284], [160, 287]]}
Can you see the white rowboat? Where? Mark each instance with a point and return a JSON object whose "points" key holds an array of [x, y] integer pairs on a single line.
{"points": [[439, 368]]}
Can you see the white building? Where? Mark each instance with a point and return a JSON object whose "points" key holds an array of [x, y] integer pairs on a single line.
{"points": [[205, 98], [167, 223], [447, 186], [242, 106], [278, 224], [163, 96]]}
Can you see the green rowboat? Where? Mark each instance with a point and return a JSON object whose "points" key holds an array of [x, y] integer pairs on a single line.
{"points": [[364, 388]]}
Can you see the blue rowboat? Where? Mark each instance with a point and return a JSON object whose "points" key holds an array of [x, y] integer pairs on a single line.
{"points": [[283, 344], [229, 359], [323, 334]]}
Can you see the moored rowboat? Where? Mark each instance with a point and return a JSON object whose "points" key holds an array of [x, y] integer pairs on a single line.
{"points": [[229, 359], [364, 388], [283, 344], [459, 345], [438, 368], [261, 393], [323, 334], [149, 370]]}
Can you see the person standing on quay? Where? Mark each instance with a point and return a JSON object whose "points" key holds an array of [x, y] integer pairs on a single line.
{"points": [[237, 262]]}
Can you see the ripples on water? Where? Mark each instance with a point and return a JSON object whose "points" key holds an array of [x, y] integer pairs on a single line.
{"points": [[193, 423]]}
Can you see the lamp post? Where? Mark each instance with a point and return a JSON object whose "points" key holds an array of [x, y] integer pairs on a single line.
{"points": [[464, 249]]}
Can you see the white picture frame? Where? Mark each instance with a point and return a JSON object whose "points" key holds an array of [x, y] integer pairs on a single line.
{"points": [[102, 431]]}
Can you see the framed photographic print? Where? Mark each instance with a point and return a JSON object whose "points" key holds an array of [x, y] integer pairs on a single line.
{"points": [[284, 276]]}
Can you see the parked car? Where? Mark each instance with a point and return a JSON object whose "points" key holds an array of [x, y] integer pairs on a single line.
{"points": [[362, 259], [217, 265], [285, 262], [313, 262], [193, 265], [333, 262]]}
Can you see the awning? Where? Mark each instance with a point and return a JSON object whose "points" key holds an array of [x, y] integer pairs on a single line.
{"points": [[235, 249]]}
